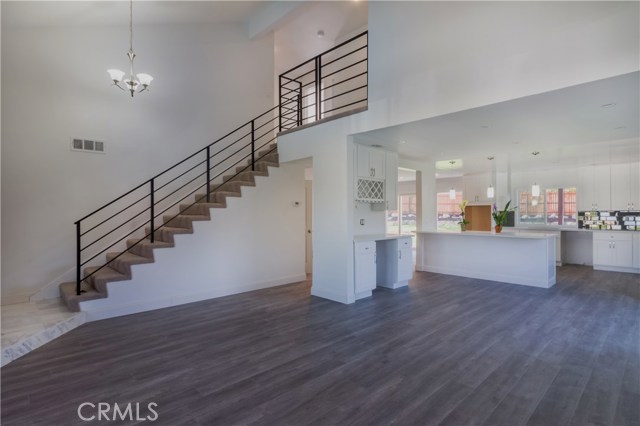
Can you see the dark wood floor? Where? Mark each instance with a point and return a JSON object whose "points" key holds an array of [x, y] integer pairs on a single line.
{"points": [[446, 351]]}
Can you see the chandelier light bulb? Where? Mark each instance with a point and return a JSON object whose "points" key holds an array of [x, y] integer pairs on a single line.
{"points": [[452, 194], [116, 75], [490, 192]]}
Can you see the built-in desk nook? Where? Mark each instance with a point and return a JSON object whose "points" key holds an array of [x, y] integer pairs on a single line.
{"points": [[516, 258], [381, 260]]}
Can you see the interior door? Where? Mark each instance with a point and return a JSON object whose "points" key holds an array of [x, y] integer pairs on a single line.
{"points": [[308, 264]]}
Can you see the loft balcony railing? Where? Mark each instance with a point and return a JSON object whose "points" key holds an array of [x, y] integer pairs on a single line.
{"points": [[329, 84], [332, 83]]}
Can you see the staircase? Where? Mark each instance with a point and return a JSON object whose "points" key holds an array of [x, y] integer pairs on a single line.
{"points": [[118, 264]]}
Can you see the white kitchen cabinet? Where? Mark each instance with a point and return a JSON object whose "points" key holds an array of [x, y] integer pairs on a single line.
{"points": [[391, 181], [370, 162], [624, 186], [595, 188], [397, 268], [636, 250], [613, 251], [365, 266]]}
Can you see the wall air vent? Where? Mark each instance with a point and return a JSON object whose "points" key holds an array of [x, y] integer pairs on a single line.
{"points": [[87, 145]]}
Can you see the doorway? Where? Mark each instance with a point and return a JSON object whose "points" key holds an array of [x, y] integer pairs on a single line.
{"points": [[308, 220]]}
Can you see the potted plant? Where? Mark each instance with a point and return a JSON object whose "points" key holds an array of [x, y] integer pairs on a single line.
{"points": [[499, 216], [463, 223]]}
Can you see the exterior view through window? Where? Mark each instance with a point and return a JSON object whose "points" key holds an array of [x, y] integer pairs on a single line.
{"points": [[448, 211], [554, 206]]}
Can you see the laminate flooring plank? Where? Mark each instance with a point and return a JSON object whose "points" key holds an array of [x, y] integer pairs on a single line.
{"points": [[446, 350]]}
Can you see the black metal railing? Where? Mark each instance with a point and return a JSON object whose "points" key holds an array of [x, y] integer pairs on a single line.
{"points": [[136, 215], [333, 82], [330, 83]]}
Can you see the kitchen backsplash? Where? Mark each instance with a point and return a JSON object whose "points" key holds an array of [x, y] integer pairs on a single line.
{"points": [[614, 220]]}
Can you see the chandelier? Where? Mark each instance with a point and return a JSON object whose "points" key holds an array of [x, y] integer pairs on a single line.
{"points": [[141, 81]]}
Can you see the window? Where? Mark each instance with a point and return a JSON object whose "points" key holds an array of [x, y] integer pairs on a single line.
{"points": [[403, 220], [448, 211], [555, 207]]}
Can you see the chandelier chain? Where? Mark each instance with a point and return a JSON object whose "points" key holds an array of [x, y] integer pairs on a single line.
{"points": [[131, 25]]}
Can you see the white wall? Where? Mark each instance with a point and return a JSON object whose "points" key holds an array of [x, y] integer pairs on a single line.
{"points": [[374, 220], [208, 80], [432, 58], [257, 241]]}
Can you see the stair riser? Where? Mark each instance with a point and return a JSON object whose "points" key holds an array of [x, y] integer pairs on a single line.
{"points": [[260, 170], [244, 176], [181, 221], [231, 186], [221, 197]]}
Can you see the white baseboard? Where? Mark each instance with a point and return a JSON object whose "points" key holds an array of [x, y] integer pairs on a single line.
{"points": [[96, 312]]}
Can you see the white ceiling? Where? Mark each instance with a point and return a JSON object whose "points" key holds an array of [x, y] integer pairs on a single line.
{"points": [[116, 12], [569, 127]]}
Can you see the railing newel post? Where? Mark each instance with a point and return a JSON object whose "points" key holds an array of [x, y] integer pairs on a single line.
{"points": [[280, 102], [253, 145], [152, 208], [78, 260], [208, 173], [318, 77]]}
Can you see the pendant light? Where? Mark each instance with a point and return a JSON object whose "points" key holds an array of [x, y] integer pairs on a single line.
{"points": [[491, 192], [452, 194], [140, 81], [535, 188]]}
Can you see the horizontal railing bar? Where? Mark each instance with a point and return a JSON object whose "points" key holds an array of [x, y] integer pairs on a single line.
{"points": [[180, 187], [347, 79], [344, 106], [309, 106], [113, 201], [344, 93], [180, 211], [347, 67], [301, 76], [298, 66], [344, 56], [117, 227], [293, 110], [181, 174], [89, 260], [289, 99], [287, 103], [266, 133], [235, 142], [299, 88], [222, 161], [262, 125], [114, 215], [345, 43]]}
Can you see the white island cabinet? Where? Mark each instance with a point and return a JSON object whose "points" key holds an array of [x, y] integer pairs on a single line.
{"points": [[516, 258], [381, 260]]}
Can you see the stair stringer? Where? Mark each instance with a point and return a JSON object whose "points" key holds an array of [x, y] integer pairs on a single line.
{"points": [[258, 241]]}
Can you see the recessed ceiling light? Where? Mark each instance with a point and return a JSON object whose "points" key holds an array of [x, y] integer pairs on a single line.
{"points": [[535, 153], [619, 127], [376, 145], [608, 105], [484, 126], [490, 157], [516, 143], [320, 33], [403, 141]]}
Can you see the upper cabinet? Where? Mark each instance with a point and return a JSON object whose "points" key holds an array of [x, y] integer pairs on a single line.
{"points": [[624, 186], [370, 162], [609, 187], [376, 179], [475, 188]]}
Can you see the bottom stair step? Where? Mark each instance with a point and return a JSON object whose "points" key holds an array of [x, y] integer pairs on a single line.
{"points": [[72, 300]]}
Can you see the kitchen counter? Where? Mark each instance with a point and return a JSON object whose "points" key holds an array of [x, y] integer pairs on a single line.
{"points": [[378, 237], [515, 258]]}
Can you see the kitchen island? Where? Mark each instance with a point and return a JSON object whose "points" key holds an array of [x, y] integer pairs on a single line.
{"points": [[515, 258]]}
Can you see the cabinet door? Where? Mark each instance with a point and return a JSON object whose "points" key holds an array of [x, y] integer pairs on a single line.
{"points": [[377, 159], [636, 250], [365, 266], [603, 187], [602, 252], [622, 253], [620, 187], [362, 162], [405, 259], [634, 186], [586, 190], [391, 181]]}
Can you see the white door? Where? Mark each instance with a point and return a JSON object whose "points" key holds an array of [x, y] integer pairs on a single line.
{"points": [[623, 252], [308, 261]]}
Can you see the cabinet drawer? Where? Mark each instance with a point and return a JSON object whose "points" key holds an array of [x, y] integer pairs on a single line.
{"points": [[364, 247], [612, 236]]}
